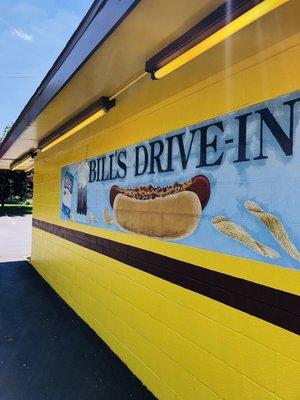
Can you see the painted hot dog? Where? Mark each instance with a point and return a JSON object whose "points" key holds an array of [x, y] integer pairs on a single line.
{"points": [[170, 212]]}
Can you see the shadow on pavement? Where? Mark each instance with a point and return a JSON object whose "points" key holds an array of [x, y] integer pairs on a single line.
{"points": [[47, 352], [15, 211]]}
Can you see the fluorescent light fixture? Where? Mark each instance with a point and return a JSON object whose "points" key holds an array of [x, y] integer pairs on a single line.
{"points": [[78, 122], [22, 161], [222, 23]]}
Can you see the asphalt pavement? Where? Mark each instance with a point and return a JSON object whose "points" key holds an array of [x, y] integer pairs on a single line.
{"points": [[15, 237], [47, 352]]}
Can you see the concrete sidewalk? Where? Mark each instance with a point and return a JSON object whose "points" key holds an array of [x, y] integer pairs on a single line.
{"points": [[47, 352], [15, 238]]}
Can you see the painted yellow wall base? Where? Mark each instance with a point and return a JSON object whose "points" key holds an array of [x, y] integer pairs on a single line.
{"points": [[173, 339], [182, 345]]}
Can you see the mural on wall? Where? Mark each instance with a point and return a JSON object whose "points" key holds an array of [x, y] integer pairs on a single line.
{"points": [[230, 184]]}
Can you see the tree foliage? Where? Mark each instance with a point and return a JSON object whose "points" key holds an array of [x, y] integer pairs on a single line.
{"points": [[15, 186], [5, 132]]}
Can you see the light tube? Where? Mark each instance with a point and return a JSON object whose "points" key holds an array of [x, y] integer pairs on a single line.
{"points": [[76, 128], [225, 32], [78, 122], [17, 164]]}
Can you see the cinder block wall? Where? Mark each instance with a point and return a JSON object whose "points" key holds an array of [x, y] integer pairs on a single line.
{"points": [[181, 344]]}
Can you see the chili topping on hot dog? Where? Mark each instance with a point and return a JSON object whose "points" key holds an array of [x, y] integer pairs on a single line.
{"points": [[199, 185]]}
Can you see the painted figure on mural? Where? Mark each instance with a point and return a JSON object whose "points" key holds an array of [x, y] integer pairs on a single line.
{"points": [[82, 181], [67, 194]]}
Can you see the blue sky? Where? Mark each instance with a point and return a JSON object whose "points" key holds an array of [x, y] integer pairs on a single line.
{"points": [[32, 34]]}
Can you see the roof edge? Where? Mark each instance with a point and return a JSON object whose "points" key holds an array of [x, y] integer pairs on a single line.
{"points": [[85, 36]]}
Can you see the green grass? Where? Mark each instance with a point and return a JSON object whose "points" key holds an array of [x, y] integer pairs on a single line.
{"points": [[15, 209]]}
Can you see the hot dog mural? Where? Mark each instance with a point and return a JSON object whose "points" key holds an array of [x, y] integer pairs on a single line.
{"points": [[170, 212], [230, 184]]}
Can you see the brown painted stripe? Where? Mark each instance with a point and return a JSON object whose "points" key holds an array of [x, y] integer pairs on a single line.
{"points": [[272, 305]]}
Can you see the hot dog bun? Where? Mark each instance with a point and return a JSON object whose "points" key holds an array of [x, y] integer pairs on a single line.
{"points": [[171, 212]]}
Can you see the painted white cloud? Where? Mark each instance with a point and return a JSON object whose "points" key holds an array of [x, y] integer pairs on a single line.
{"points": [[22, 35]]}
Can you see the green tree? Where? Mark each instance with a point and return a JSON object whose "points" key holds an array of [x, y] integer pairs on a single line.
{"points": [[5, 132], [15, 186]]}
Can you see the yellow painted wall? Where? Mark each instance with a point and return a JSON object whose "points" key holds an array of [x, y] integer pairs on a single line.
{"points": [[182, 345]]}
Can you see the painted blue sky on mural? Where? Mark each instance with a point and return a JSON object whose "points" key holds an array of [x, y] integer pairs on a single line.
{"points": [[251, 154]]}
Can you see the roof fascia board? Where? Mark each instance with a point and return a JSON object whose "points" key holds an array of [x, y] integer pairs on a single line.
{"points": [[101, 20]]}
